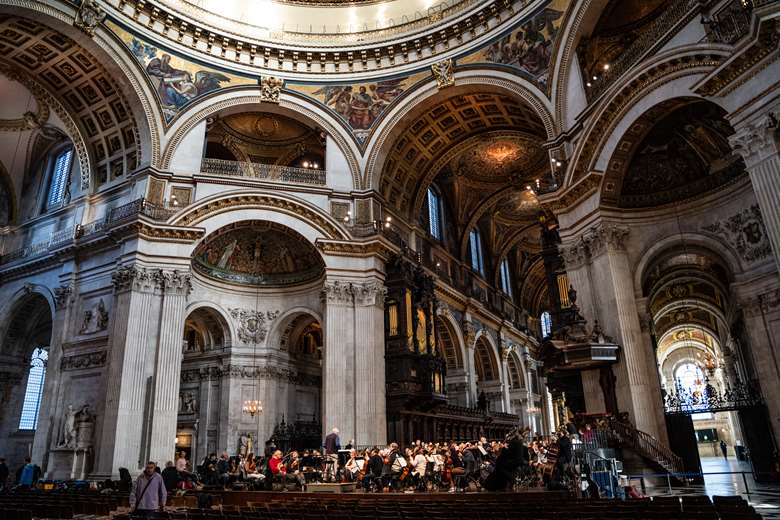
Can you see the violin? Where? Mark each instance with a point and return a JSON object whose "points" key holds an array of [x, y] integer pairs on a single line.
{"points": [[362, 473]]}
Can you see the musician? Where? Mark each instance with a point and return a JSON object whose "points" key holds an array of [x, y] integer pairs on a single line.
{"points": [[352, 464], [375, 466], [420, 465], [511, 458], [332, 446], [279, 469], [294, 469]]}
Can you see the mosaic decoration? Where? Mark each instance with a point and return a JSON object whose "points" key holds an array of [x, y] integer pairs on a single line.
{"points": [[258, 253], [528, 48], [177, 81], [360, 104]]}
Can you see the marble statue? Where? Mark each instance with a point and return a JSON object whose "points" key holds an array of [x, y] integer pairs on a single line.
{"points": [[68, 434]]}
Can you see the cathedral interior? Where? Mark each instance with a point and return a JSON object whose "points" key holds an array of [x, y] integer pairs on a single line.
{"points": [[405, 219]]}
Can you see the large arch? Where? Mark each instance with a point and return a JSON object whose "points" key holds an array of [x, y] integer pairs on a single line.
{"points": [[665, 76], [119, 116], [489, 82], [244, 98]]}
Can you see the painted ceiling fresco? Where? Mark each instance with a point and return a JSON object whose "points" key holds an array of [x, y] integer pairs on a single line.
{"points": [[177, 81], [258, 253], [686, 153], [528, 48]]}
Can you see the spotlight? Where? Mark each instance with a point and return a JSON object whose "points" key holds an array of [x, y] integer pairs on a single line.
{"points": [[389, 219], [606, 66], [558, 164], [305, 164]]}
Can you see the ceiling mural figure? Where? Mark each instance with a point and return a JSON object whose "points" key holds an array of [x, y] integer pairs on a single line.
{"points": [[258, 253]]}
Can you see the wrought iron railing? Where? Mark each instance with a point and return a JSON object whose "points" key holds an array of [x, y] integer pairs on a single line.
{"points": [[673, 15], [266, 172], [710, 399], [645, 445]]}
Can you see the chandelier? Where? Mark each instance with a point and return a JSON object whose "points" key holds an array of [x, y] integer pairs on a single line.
{"points": [[253, 407]]}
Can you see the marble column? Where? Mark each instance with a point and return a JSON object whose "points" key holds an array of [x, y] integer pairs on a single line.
{"points": [[469, 338], [370, 409], [597, 262], [762, 325], [338, 370], [757, 143], [48, 419], [162, 440], [132, 342], [505, 380]]}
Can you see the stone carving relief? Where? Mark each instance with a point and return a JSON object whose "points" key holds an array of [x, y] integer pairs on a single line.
{"points": [[84, 361], [270, 89], [275, 373], [89, 16], [77, 428], [593, 242], [62, 296], [144, 279], [752, 139], [443, 73], [95, 319], [252, 326], [187, 403], [745, 232]]}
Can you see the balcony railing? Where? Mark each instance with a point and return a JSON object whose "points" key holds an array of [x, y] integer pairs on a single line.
{"points": [[115, 216], [651, 37], [266, 172]]}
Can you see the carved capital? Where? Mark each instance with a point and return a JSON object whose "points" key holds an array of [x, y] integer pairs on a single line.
{"points": [[270, 89], [133, 278], [175, 282], [62, 296], [469, 333], [575, 255], [337, 292], [89, 16], [606, 237], [762, 304], [757, 140], [370, 293], [443, 72]]}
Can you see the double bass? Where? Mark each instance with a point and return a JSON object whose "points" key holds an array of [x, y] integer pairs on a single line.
{"points": [[446, 474]]}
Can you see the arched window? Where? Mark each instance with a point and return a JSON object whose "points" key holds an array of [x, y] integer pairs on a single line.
{"points": [[689, 377], [434, 214], [34, 391], [475, 248], [546, 320], [59, 177], [506, 279]]}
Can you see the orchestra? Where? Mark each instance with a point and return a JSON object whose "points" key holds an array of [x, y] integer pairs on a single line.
{"points": [[517, 462]]}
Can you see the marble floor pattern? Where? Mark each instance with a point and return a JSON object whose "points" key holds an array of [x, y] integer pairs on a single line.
{"points": [[765, 498]]}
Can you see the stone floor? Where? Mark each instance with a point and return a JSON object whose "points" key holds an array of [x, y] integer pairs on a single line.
{"points": [[765, 498]]}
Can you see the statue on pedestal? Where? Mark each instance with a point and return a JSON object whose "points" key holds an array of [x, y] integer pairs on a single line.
{"points": [[68, 433], [85, 426]]}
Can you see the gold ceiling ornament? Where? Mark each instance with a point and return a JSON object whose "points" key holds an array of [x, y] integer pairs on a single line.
{"points": [[266, 126], [270, 89], [88, 17], [443, 72]]}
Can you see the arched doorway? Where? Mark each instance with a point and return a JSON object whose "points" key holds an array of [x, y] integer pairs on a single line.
{"points": [[488, 376], [456, 378], [259, 343], [23, 367], [206, 342]]}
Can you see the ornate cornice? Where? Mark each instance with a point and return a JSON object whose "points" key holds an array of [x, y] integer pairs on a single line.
{"points": [[200, 213], [84, 361], [731, 75], [380, 248], [269, 372]]}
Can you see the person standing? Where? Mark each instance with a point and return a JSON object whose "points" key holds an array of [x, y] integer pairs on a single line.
{"points": [[149, 494], [29, 474], [724, 449], [332, 447]]}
